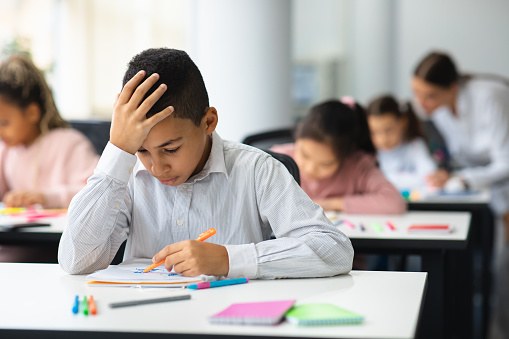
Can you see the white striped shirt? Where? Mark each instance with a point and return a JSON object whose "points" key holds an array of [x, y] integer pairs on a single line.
{"points": [[244, 193]]}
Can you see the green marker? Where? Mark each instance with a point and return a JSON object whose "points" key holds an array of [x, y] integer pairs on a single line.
{"points": [[377, 227], [85, 305]]}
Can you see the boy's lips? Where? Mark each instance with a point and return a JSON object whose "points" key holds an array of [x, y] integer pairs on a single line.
{"points": [[168, 181]]}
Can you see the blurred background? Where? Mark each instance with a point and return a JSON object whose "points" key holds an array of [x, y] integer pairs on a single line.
{"points": [[264, 62]]}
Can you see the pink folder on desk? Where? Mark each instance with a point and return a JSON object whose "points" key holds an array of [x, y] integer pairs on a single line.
{"points": [[254, 313]]}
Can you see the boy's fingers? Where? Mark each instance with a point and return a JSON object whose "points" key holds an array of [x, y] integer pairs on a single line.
{"points": [[158, 117], [165, 252], [116, 100], [147, 104], [142, 89], [130, 87], [173, 260]]}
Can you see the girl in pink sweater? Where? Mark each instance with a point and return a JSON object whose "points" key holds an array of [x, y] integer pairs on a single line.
{"points": [[337, 161], [42, 161]]}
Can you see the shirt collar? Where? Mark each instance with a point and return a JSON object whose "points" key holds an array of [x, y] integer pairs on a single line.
{"points": [[215, 163]]}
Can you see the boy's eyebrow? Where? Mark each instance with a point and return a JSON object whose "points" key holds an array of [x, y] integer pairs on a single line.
{"points": [[169, 142]]}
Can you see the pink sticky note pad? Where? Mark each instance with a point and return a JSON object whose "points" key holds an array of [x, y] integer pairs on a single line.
{"points": [[254, 313]]}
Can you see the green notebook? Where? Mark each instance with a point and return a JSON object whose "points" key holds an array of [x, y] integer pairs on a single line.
{"points": [[322, 315]]}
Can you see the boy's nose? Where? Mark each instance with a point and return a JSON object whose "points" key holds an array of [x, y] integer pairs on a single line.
{"points": [[159, 167]]}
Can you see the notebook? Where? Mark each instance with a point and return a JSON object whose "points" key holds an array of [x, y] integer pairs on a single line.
{"points": [[130, 273], [253, 313], [322, 315]]}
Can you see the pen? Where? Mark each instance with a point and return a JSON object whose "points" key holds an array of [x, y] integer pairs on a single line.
{"points": [[349, 224], [76, 306], [218, 283], [204, 236], [91, 305], [85, 305], [391, 226], [150, 301], [377, 227]]}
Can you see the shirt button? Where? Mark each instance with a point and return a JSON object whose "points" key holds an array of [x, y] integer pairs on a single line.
{"points": [[131, 170], [180, 222], [184, 186]]}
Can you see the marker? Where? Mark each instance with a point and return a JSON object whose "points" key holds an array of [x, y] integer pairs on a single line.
{"points": [[76, 306], [91, 305], [85, 306], [377, 227], [337, 222], [204, 236], [390, 225], [349, 224], [218, 283], [150, 301], [362, 227]]}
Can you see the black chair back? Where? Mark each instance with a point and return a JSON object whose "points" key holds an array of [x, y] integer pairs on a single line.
{"points": [[268, 139], [98, 132], [288, 162]]}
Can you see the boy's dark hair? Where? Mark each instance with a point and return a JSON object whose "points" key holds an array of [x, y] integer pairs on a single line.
{"points": [[186, 90], [438, 69], [22, 84], [341, 126], [386, 104]]}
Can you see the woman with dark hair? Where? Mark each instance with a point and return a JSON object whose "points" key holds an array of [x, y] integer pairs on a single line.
{"points": [[472, 114]]}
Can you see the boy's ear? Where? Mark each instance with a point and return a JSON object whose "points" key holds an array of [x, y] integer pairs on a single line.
{"points": [[33, 113], [209, 120]]}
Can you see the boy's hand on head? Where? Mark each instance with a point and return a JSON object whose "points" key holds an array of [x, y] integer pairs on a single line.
{"points": [[23, 198], [438, 179], [192, 258], [129, 125]]}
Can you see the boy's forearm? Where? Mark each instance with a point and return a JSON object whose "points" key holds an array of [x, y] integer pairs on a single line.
{"points": [[313, 255], [95, 228]]}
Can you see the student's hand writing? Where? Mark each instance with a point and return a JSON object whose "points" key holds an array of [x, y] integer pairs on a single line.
{"points": [[192, 258], [23, 198], [438, 179], [330, 204], [129, 125]]}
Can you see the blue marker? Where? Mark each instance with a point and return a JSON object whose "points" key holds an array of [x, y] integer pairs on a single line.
{"points": [[362, 227], [76, 306], [218, 283]]}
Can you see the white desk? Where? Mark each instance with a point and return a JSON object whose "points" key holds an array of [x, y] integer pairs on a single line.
{"points": [[458, 238], [38, 298], [50, 233], [441, 318], [477, 197]]}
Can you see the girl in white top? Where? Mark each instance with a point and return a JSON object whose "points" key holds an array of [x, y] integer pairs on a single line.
{"points": [[396, 132]]}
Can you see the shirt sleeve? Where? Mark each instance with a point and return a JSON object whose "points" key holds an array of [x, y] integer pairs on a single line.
{"points": [[306, 244], [497, 113], [378, 195], [99, 215], [79, 160]]}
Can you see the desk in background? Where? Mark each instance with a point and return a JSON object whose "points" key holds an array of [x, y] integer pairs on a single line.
{"points": [[40, 298], [440, 318], [479, 257], [44, 237]]}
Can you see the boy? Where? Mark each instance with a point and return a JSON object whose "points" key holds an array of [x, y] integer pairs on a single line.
{"points": [[187, 180]]}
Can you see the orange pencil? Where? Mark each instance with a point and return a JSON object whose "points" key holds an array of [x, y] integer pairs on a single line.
{"points": [[91, 305], [204, 236]]}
